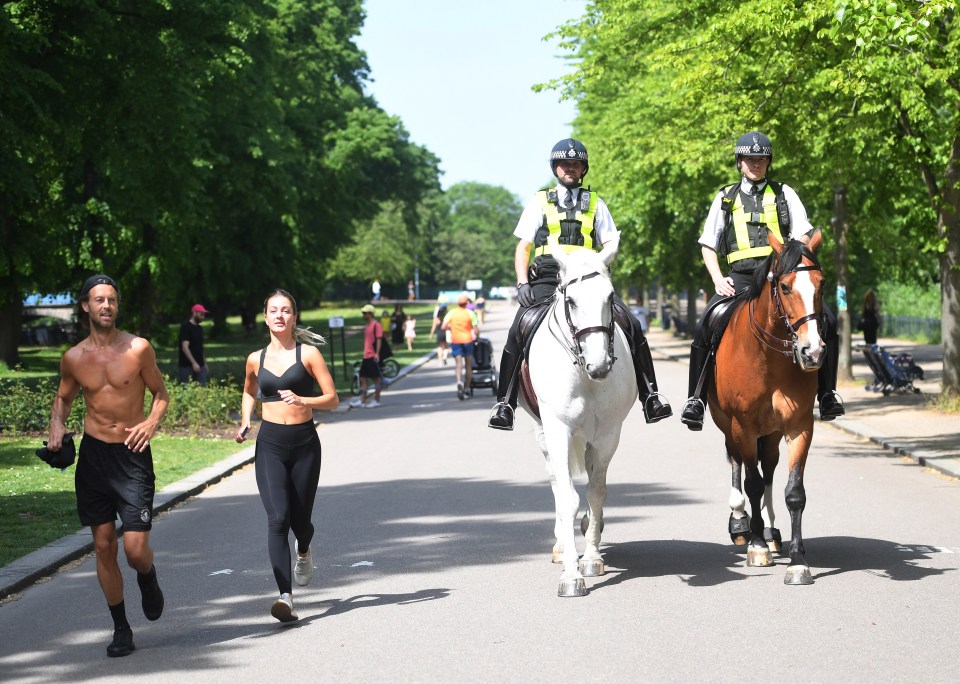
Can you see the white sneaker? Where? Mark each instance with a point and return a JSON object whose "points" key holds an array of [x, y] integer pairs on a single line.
{"points": [[283, 609], [356, 403], [303, 570], [373, 403]]}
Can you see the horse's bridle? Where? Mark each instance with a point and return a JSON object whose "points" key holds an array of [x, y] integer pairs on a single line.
{"points": [[768, 339], [575, 349]]}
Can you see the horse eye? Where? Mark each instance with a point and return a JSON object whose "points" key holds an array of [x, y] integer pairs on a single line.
{"points": [[785, 288], [572, 304]]}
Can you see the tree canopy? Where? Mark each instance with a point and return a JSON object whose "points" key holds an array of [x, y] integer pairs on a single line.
{"points": [[192, 149]]}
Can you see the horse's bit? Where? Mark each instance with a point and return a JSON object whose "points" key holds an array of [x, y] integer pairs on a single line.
{"points": [[790, 347], [575, 350]]}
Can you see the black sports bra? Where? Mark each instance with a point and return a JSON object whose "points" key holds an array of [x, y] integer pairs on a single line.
{"points": [[295, 378]]}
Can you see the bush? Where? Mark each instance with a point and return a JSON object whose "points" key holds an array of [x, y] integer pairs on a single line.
{"points": [[25, 407], [193, 407]]}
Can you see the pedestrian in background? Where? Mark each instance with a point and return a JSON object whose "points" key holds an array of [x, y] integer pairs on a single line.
{"points": [[397, 321], [410, 331], [870, 319], [192, 364], [370, 366], [462, 326], [114, 475], [287, 457], [411, 290], [436, 330], [375, 290]]}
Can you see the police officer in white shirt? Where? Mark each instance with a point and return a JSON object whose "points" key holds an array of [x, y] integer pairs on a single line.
{"points": [[578, 219]]}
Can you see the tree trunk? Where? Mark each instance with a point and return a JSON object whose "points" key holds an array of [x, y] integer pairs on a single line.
{"points": [[841, 222], [11, 322], [950, 295]]}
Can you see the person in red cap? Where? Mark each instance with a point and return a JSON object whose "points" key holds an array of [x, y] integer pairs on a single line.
{"points": [[192, 365]]}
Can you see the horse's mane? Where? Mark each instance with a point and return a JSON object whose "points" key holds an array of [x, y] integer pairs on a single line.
{"points": [[793, 252]]}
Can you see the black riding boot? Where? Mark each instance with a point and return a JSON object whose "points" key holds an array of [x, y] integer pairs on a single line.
{"points": [[831, 406], [501, 418], [695, 408], [650, 399]]}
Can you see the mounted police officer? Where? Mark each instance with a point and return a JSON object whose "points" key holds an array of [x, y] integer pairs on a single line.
{"points": [[736, 230], [579, 220]]}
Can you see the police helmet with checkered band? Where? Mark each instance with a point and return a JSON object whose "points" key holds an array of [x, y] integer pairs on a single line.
{"points": [[569, 149], [753, 144]]}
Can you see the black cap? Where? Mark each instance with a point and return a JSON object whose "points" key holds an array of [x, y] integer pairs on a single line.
{"points": [[62, 459], [95, 280]]}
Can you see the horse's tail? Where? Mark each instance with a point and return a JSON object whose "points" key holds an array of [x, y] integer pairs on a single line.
{"points": [[577, 465]]}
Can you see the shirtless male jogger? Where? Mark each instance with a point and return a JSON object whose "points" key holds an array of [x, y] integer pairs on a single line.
{"points": [[114, 475]]}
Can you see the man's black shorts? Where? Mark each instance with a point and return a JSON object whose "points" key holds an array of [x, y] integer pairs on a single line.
{"points": [[370, 368], [111, 480]]}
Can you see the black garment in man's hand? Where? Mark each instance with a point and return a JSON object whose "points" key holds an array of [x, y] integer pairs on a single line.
{"points": [[525, 295]]}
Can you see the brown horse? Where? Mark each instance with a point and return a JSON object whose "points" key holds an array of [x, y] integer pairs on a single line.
{"points": [[764, 390]]}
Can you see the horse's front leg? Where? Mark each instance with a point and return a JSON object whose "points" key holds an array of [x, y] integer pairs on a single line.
{"points": [[559, 443], [739, 524], [798, 572], [597, 459], [556, 555]]}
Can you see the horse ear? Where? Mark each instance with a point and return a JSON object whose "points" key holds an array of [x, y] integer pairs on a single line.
{"points": [[774, 242], [815, 239]]}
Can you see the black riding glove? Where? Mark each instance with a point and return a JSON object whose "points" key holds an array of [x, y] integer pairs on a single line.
{"points": [[525, 295]]}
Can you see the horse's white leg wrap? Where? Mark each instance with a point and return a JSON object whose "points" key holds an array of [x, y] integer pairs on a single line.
{"points": [[738, 503]]}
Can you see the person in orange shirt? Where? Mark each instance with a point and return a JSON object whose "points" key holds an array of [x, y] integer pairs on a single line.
{"points": [[463, 327]]}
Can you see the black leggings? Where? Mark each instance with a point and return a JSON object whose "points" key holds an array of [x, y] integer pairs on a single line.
{"points": [[288, 470]]}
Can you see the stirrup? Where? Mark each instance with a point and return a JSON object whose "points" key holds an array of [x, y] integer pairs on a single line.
{"points": [[507, 422], [692, 404], [835, 409], [665, 410]]}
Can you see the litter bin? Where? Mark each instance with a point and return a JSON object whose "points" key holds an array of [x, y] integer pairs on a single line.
{"points": [[665, 313]]}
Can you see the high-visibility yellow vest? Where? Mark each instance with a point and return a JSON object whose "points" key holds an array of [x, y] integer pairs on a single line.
{"points": [[573, 228], [746, 233]]}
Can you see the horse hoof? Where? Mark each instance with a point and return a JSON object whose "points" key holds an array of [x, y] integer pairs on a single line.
{"points": [[591, 568], [739, 529], [556, 556], [759, 556], [572, 587], [771, 535], [798, 575]]}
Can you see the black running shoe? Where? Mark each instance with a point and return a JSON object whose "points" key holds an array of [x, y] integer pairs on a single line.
{"points": [[152, 597], [122, 643]]}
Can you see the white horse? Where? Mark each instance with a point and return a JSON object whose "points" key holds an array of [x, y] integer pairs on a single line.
{"points": [[582, 375]]}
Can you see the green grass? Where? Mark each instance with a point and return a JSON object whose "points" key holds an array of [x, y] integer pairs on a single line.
{"points": [[37, 502]]}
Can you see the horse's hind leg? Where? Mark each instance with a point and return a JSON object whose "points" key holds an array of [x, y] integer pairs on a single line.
{"points": [[769, 448], [597, 461], [758, 553]]}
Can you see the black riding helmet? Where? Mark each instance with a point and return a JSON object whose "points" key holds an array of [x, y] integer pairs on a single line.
{"points": [[753, 144], [569, 148]]}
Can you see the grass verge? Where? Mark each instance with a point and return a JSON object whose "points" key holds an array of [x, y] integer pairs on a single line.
{"points": [[37, 502]]}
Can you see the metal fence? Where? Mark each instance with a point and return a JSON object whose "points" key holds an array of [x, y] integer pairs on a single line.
{"points": [[911, 328]]}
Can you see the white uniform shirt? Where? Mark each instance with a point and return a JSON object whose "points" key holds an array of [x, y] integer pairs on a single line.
{"points": [[714, 225], [532, 218]]}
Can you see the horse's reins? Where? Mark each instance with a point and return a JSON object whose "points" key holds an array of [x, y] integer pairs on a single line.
{"points": [[772, 341], [575, 350]]}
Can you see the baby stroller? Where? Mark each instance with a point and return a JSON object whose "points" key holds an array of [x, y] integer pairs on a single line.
{"points": [[484, 370], [891, 373]]}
